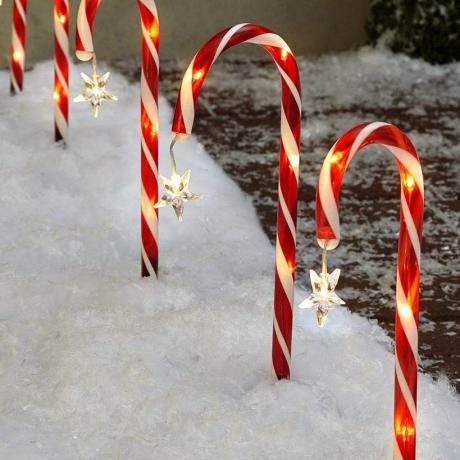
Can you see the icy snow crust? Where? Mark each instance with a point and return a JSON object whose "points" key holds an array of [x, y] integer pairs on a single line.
{"points": [[97, 363]]}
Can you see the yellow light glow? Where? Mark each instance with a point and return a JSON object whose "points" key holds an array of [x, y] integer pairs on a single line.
{"points": [[153, 31], [294, 160], [291, 267], [198, 75], [56, 96], [409, 182], [153, 131], [404, 310], [284, 54], [406, 432], [336, 157], [17, 55]]}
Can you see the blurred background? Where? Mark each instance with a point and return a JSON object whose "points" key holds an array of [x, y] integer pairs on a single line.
{"points": [[360, 60]]}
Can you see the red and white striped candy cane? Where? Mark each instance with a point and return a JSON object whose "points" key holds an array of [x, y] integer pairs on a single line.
{"points": [[289, 161], [149, 116], [18, 46], [408, 273], [61, 69]]}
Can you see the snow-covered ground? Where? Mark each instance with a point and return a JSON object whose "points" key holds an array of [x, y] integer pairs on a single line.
{"points": [[96, 363]]}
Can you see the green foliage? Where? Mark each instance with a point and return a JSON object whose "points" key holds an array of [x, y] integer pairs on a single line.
{"points": [[429, 29]]}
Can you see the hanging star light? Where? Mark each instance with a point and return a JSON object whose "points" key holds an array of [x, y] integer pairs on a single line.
{"points": [[176, 188], [177, 193], [323, 297], [95, 90]]}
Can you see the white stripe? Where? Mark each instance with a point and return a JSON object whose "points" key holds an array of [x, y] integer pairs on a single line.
{"points": [[281, 341], [150, 45], [226, 38], [269, 39], [411, 229], [411, 163], [396, 452], [326, 195], [408, 322], [150, 5], [147, 261], [149, 102], [61, 78], [284, 272], [149, 156], [61, 35], [60, 120], [290, 144], [186, 99], [407, 395], [18, 46], [21, 11], [84, 32], [292, 87], [361, 137], [148, 211], [286, 213]]}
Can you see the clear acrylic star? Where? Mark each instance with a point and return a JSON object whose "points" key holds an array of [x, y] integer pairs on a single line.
{"points": [[95, 91], [177, 193], [323, 296]]}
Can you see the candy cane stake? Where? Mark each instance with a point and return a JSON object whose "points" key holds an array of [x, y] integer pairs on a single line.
{"points": [[18, 46], [289, 161], [61, 60], [61, 69], [149, 116], [408, 272]]}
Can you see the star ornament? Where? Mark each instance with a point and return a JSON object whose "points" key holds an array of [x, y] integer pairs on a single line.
{"points": [[177, 193], [95, 91], [323, 297]]}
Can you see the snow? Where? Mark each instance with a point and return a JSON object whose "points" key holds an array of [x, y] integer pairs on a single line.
{"points": [[97, 363]]}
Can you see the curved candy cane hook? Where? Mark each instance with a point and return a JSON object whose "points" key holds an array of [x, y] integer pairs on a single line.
{"points": [[408, 272]]}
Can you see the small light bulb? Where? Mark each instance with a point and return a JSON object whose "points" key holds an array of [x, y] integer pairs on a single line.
{"points": [[336, 157], [198, 75], [404, 310], [284, 54], [409, 182], [17, 55], [56, 96], [62, 19]]}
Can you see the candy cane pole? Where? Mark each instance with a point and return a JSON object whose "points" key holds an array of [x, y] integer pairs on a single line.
{"points": [[408, 272], [61, 69], [149, 117], [18, 46], [289, 161]]}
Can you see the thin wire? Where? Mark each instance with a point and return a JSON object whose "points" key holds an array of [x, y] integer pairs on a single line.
{"points": [[171, 154], [324, 264]]}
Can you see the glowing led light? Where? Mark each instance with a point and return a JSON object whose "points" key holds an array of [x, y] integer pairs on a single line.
{"points": [[56, 96], [404, 310], [284, 54], [406, 432], [409, 182], [154, 30], [198, 75], [291, 267], [294, 160], [153, 131], [336, 157], [17, 55]]}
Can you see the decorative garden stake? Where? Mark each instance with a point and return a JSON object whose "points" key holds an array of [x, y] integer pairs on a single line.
{"points": [[289, 161], [61, 69], [149, 114], [18, 46], [408, 272], [61, 60]]}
